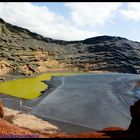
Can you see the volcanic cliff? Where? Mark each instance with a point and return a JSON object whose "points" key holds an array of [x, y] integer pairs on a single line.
{"points": [[24, 52]]}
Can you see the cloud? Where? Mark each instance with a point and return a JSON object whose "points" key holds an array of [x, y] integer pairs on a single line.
{"points": [[132, 11], [43, 21], [46, 22], [92, 14]]}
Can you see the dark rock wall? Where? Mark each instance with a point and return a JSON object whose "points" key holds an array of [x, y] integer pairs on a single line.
{"points": [[18, 47]]}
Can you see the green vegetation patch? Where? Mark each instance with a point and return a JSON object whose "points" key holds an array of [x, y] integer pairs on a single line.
{"points": [[28, 88]]}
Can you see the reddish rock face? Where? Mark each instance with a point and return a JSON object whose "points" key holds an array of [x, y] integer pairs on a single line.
{"points": [[113, 129]]}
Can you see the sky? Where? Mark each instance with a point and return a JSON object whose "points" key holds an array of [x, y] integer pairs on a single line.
{"points": [[75, 21]]}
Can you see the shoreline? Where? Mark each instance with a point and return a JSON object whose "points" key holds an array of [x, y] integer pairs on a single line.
{"points": [[12, 103], [11, 76], [53, 83]]}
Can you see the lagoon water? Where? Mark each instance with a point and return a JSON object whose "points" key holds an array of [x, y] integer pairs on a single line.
{"points": [[28, 88], [91, 100]]}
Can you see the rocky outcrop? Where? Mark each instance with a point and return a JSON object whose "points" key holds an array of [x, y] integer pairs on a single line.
{"points": [[24, 52], [134, 128], [5, 67]]}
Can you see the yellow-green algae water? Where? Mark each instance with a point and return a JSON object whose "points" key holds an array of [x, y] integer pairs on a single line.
{"points": [[28, 88]]}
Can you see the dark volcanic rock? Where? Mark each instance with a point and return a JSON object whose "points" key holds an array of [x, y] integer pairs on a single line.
{"points": [[19, 48], [134, 127], [99, 39]]}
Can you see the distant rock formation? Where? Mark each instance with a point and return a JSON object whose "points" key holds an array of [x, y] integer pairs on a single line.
{"points": [[26, 53]]}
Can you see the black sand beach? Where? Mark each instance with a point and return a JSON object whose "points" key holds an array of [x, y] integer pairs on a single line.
{"points": [[63, 105]]}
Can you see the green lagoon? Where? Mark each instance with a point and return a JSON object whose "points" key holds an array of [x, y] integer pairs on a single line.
{"points": [[28, 88]]}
